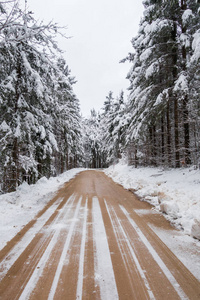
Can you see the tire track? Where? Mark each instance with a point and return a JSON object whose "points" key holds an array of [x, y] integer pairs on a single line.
{"points": [[38, 270], [64, 253], [94, 246], [17, 250], [156, 257], [121, 235], [27, 262], [79, 290], [104, 274]]}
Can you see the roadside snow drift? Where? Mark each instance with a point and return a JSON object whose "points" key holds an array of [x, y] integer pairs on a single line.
{"points": [[174, 192], [20, 207]]}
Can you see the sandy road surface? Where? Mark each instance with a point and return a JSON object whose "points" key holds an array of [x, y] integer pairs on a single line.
{"points": [[90, 243]]}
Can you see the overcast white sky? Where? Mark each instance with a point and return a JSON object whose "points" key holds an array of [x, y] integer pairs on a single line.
{"points": [[102, 31]]}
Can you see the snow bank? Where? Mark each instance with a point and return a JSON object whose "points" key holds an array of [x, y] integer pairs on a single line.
{"points": [[20, 207], [174, 192]]}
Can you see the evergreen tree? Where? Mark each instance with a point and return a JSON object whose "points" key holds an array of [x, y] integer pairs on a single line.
{"points": [[67, 120], [37, 102], [159, 90], [92, 141], [113, 124]]}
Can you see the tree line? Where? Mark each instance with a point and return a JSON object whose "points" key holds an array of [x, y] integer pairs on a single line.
{"points": [[42, 132], [159, 124], [40, 122]]}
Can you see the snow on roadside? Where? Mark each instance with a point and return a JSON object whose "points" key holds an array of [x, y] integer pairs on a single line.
{"points": [[20, 207], [175, 192]]}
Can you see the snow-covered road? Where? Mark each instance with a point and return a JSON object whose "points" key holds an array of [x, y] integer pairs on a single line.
{"points": [[96, 240]]}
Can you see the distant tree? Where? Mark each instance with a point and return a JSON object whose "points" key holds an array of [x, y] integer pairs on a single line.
{"points": [[92, 141], [113, 122]]}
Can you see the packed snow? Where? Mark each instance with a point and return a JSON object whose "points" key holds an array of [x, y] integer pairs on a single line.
{"points": [[181, 83], [20, 207], [125, 237], [187, 16], [104, 273], [65, 252], [174, 192], [196, 46]]}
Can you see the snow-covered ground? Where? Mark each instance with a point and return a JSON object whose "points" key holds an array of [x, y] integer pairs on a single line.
{"points": [[20, 207], [175, 192]]}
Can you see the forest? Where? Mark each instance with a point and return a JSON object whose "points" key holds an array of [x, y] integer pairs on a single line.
{"points": [[42, 132]]}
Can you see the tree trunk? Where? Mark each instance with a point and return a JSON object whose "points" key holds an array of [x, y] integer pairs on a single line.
{"points": [[176, 115], [168, 134], [185, 100], [136, 157], [176, 134], [15, 148], [162, 141], [186, 131]]}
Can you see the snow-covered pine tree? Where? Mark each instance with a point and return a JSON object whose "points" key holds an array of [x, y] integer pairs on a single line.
{"points": [[158, 99], [92, 141], [193, 66], [67, 120], [30, 93], [187, 86], [106, 127], [114, 123], [152, 76]]}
